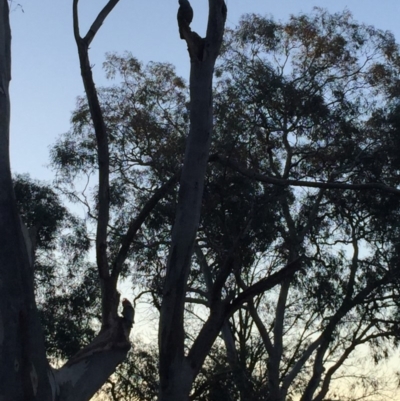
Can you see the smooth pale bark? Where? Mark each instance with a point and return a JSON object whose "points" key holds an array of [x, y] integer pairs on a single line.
{"points": [[176, 373], [81, 377], [275, 357], [24, 370], [23, 366]]}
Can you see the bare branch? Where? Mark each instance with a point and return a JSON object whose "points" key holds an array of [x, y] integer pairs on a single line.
{"points": [[215, 26], [260, 326], [199, 301], [299, 183], [75, 18], [99, 21], [264, 285], [229, 264], [326, 336], [110, 297], [136, 223]]}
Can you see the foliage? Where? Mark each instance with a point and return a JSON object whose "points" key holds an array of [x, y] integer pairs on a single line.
{"points": [[310, 100], [61, 246], [146, 116]]}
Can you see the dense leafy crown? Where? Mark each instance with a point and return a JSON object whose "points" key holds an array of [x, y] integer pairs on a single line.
{"points": [[312, 100]]}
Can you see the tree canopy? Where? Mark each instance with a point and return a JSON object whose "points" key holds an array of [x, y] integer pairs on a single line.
{"points": [[261, 226], [303, 166]]}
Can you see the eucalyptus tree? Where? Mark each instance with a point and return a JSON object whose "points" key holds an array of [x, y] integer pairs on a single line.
{"points": [[303, 141], [177, 370], [304, 163], [320, 120], [25, 372], [68, 314], [304, 154]]}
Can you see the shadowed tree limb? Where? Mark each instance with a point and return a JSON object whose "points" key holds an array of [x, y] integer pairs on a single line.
{"points": [[110, 297], [136, 223], [222, 310], [299, 183], [24, 368], [176, 376]]}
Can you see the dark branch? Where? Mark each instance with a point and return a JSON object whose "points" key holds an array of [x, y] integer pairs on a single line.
{"points": [[99, 21], [264, 285], [75, 18], [110, 296], [135, 224], [299, 183]]}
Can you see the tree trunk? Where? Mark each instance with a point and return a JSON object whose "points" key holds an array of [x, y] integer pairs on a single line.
{"points": [[25, 374], [23, 365], [176, 373]]}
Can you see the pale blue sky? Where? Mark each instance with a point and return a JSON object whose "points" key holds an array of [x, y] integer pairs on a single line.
{"points": [[46, 77]]}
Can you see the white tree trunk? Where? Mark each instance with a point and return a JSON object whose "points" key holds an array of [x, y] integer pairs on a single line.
{"points": [[177, 372], [25, 373]]}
